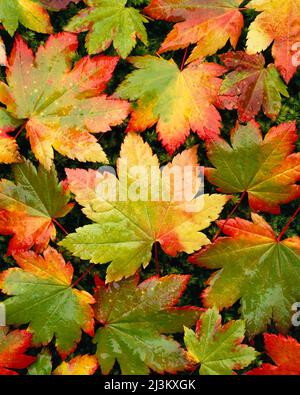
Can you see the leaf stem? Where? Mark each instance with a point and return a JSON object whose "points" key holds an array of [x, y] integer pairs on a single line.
{"points": [[20, 130], [184, 58], [288, 224], [82, 276], [230, 215], [60, 226]]}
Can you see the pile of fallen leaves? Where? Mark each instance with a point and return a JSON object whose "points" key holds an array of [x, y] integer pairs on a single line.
{"points": [[92, 285]]}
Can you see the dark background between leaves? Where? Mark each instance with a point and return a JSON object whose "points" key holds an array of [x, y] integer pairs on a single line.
{"points": [[111, 142]]}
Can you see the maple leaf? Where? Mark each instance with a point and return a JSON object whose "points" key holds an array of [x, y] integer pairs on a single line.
{"points": [[251, 86], [82, 365], [13, 346], [267, 169], [78, 366], [57, 5], [8, 146], [42, 295], [255, 267], [278, 22], [176, 100], [209, 24], [109, 22], [134, 319], [27, 12], [218, 348], [61, 106], [29, 206], [42, 365], [126, 229], [284, 351]]}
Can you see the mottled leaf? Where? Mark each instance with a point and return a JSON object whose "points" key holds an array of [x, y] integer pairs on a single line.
{"points": [[43, 297], [42, 366], [250, 86], [267, 169], [29, 205], [60, 105], [257, 269], [177, 101], [126, 227], [82, 365], [135, 319]]}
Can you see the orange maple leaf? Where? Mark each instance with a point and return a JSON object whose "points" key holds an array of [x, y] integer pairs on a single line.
{"points": [[284, 351], [209, 24], [278, 22], [13, 346]]}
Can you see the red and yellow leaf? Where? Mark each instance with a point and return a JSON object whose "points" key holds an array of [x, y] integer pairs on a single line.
{"points": [[284, 351], [8, 149], [13, 347], [177, 101], [29, 206], [125, 229], [277, 23], [62, 106], [9, 152], [209, 24], [82, 365]]}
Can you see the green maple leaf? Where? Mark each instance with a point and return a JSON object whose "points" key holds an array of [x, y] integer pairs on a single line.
{"points": [[109, 22], [257, 269], [267, 169], [30, 204], [42, 296], [42, 366], [27, 12], [218, 348], [134, 319]]}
